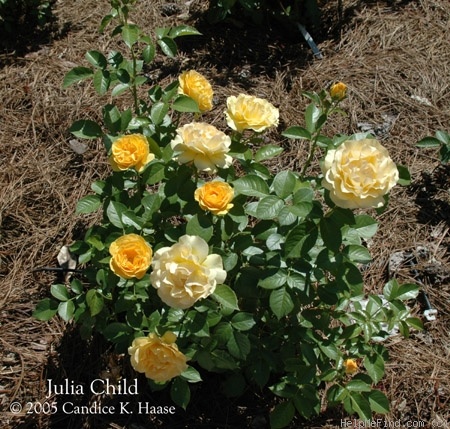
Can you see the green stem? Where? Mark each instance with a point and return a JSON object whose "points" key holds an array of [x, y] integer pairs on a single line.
{"points": [[133, 84]]}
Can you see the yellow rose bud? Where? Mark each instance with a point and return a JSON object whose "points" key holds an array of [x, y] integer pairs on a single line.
{"points": [[351, 366], [131, 256], [246, 112], [185, 272], [157, 357], [195, 85], [359, 173], [202, 144], [215, 197], [130, 151], [338, 91]]}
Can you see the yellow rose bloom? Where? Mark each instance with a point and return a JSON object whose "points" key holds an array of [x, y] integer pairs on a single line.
{"points": [[351, 366], [359, 173], [202, 144], [215, 197], [185, 272], [131, 256], [130, 151], [196, 86], [338, 91], [157, 357], [248, 112]]}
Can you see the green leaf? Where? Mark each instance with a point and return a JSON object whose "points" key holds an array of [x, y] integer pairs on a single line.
{"points": [[357, 385], [94, 301], [404, 175], [154, 173], [88, 204], [357, 253], [374, 365], [251, 185], [243, 321], [76, 286], [281, 302], [267, 152], [97, 59], [274, 281], [444, 153], [66, 310], [443, 137], [114, 213], [330, 233], [297, 133], [183, 30], [312, 114], [282, 415], [158, 112], [130, 34], [269, 207], [60, 292], [302, 235], [148, 53], [238, 345], [102, 80], [77, 74], [86, 129], [180, 392], [45, 309], [130, 218], [365, 226], [428, 142], [226, 297], [284, 183], [151, 203], [112, 118], [186, 104], [393, 290], [201, 226], [191, 375], [119, 89], [415, 323], [168, 46], [378, 402], [355, 402]]}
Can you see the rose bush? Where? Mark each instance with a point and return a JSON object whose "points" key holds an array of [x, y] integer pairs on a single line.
{"points": [[157, 357], [131, 256], [246, 112], [359, 173], [216, 197], [185, 273], [255, 271]]}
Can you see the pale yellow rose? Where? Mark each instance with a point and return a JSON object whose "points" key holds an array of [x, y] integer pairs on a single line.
{"points": [[185, 272], [130, 151], [338, 91], [202, 144], [351, 366], [359, 173], [196, 86], [246, 112], [215, 197], [131, 256], [157, 357]]}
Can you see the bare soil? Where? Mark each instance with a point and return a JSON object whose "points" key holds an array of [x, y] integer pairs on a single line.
{"points": [[395, 58]]}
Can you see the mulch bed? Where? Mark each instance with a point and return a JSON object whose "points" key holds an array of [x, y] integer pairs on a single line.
{"points": [[394, 57]]}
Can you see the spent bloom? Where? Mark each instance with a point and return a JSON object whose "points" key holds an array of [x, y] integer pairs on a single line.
{"points": [[351, 366], [131, 256], [130, 151], [359, 173], [246, 112], [338, 91], [196, 86], [202, 144], [215, 197], [157, 357], [185, 272]]}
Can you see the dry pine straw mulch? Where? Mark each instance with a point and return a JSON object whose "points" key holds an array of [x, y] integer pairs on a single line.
{"points": [[395, 58]]}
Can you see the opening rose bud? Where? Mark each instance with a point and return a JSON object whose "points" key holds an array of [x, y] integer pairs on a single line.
{"points": [[215, 197]]}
